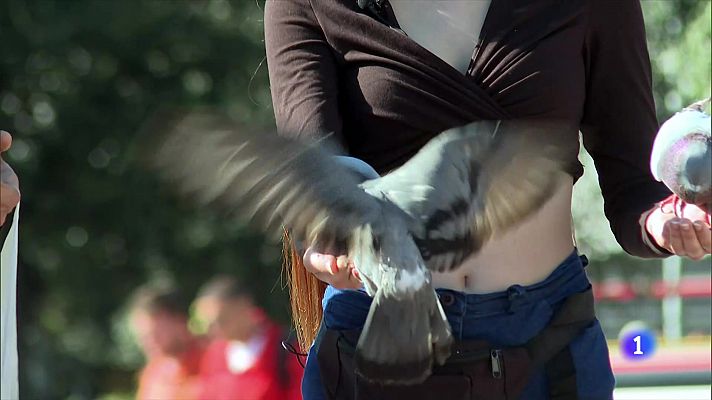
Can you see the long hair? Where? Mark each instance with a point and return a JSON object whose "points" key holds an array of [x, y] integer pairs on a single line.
{"points": [[305, 293]]}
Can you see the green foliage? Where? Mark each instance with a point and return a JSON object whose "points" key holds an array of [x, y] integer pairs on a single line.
{"points": [[78, 79], [679, 45]]}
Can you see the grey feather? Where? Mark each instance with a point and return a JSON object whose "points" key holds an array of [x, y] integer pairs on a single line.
{"points": [[270, 180], [464, 187], [474, 182]]}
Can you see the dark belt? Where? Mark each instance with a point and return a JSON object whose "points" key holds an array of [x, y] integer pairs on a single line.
{"points": [[475, 370]]}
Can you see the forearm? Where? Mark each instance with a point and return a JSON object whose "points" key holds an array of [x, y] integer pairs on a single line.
{"points": [[302, 71]]}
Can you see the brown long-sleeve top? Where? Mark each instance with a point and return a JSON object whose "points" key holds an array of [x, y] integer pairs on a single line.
{"points": [[333, 67]]}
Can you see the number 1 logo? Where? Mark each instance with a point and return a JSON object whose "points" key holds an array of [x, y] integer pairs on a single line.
{"points": [[637, 351]]}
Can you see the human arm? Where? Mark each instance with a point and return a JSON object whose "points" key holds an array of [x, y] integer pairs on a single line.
{"points": [[303, 81], [619, 127]]}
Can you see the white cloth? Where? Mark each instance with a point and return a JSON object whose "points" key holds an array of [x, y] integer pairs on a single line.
{"points": [[8, 324], [241, 356]]}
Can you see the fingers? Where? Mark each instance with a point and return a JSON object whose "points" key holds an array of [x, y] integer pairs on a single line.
{"points": [[354, 272], [353, 275], [704, 236], [321, 262], [691, 245], [673, 237], [688, 239], [336, 271], [5, 141]]}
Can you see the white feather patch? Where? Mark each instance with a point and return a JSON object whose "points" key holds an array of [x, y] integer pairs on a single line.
{"points": [[410, 281], [678, 126]]}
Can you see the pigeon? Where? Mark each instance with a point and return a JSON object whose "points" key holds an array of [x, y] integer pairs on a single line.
{"points": [[464, 187], [682, 155]]}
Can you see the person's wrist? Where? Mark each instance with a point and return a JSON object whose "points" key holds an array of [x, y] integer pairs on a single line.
{"points": [[654, 227], [678, 228]]}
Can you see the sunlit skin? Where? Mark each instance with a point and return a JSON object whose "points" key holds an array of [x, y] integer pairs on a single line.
{"points": [[232, 319], [161, 333], [237, 319], [206, 310], [686, 237], [170, 351], [690, 237]]}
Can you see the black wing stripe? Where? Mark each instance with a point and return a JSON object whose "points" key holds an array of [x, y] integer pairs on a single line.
{"points": [[458, 209]]}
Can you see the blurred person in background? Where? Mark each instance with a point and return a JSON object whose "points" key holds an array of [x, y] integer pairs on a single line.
{"points": [[205, 309], [159, 318], [246, 360]]}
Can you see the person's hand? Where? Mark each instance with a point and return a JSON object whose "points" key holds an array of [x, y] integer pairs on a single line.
{"points": [[337, 271], [9, 184], [687, 236]]}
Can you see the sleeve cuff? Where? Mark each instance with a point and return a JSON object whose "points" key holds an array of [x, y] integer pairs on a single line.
{"points": [[647, 239]]}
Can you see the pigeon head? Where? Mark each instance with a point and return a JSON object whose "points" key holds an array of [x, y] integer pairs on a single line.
{"points": [[682, 156]]}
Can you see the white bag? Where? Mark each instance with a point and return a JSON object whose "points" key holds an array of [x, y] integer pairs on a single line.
{"points": [[8, 324]]}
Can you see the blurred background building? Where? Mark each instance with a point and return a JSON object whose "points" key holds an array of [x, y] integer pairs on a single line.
{"points": [[78, 79]]}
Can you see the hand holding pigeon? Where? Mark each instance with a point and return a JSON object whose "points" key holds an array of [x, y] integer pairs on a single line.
{"points": [[682, 160], [464, 187]]}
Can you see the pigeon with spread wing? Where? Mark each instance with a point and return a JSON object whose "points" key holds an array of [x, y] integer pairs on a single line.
{"points": [[462, 188]]}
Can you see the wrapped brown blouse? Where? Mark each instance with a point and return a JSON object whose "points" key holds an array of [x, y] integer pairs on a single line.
{"points": [[334, 67]]}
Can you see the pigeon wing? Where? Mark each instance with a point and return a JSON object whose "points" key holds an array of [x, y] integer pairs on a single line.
{"points": [[474, 182], [272, 181]]}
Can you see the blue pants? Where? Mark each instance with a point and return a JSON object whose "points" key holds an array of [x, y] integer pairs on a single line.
{"points": [[507, 318]]}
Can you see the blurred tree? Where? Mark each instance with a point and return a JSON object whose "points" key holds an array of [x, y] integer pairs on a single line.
{"points": [[78, 79], [679, 43]]}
